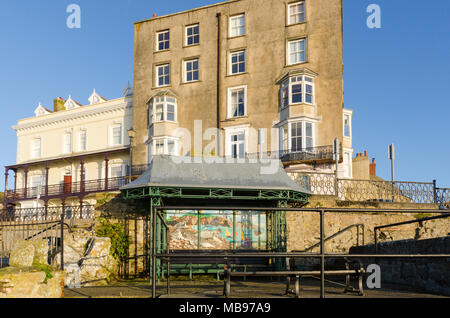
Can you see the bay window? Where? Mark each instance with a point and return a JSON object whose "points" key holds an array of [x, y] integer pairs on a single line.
{"points": [[162, 108], [297, 136], [297, 90], [164, 146]]}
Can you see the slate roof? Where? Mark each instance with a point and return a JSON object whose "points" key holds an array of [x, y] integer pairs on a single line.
{"points": [[167, 171]]}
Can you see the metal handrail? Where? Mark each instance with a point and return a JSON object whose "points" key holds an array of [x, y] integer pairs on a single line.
{"points": [[376, 228], [337, 234]]}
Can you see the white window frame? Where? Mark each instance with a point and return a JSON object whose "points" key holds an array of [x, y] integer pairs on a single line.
{"points": [[293, 81], [349, 125], [289, 53], [80, 144], [33, 148], [112, 143], [192, 26], [229, 101], [158, 41], [185, 64], [235, 131], [289, 135], [165, 102], [348, 163], [238, 63], [297, 13], [165, 144], [164, 75], [238, 27], [68, 150]]}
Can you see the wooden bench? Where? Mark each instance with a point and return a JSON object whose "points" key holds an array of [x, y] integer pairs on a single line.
{"points": [[357, 271]]}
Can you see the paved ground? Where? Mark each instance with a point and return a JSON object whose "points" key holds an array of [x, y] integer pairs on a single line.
{"points": [[239, 289]]}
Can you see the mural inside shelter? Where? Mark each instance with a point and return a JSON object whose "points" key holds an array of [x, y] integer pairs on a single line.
{"points": [[218, 230]]}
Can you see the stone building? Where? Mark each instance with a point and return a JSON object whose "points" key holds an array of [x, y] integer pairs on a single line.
{"points": [[266, 74], [66, 156]]}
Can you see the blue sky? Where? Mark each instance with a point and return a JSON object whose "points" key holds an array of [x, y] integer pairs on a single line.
{"points": [[396, 78]]}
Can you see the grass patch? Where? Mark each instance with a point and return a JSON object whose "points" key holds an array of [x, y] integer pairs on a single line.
{"points": [[47, 269]]}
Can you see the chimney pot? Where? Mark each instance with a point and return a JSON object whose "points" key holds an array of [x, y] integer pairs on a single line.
{"points": [[365, 153], [155, 15]]}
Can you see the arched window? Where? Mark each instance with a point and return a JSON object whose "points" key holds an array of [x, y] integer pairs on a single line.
{"points": [[162, 109]]}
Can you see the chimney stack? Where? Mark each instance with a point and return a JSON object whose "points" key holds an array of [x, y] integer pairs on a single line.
{"points": [[58, 104], [373, 168]]}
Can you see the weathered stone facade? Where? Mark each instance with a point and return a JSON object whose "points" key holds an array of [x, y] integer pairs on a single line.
{"points": [[267, 33]]}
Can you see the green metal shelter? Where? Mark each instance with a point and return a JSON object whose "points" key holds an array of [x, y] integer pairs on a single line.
{"points": [[216, 182]]}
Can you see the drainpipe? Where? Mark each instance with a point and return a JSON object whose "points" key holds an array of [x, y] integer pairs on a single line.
{"points": [[218, 15]]}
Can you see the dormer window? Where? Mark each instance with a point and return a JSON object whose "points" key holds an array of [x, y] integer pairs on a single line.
{"points": [[297, 90], [161, 109], [96, 98], [41, 111], [71, 104]]}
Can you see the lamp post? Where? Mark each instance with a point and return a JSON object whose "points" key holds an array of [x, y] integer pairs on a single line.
{"points": [[392, 158], [131, 135]]}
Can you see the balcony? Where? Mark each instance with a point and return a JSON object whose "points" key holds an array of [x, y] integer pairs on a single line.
{"points": [[65, 190], [313, 155]]}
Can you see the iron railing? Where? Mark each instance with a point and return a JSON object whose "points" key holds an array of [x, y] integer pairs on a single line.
{"points": [[443, 196], [50, 231], [50, 213], [65, 189], [321, 153], [386, 191], [372, 190]]}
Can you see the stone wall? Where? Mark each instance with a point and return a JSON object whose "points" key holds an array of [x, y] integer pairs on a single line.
{"points": [[431, 276], [303, 228], [29, 275]]}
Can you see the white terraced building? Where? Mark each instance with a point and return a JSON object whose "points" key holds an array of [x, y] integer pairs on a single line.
{"points": [[66, 156]]}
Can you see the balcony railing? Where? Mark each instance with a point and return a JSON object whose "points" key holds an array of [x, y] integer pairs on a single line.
{"points": [[312, 154], [67, 189]]}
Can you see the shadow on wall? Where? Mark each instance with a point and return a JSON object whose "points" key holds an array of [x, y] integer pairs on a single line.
{"points": [[428, 275]]}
